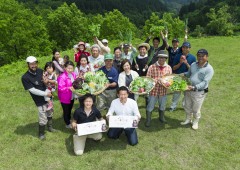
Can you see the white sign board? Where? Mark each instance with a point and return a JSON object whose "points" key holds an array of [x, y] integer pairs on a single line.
{"points": [[123, 121], [91, 127]]}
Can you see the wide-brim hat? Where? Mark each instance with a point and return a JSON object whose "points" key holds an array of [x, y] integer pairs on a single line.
{"points": [[144, 45]]}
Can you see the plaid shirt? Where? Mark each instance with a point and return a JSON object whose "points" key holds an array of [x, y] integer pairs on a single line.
{"points": [[155, 72]]}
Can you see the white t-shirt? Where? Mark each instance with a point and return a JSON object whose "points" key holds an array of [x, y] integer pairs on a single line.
{"points": [[130, 108], [96, 63]]}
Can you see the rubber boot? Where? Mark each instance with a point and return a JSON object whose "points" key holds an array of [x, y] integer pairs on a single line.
{"points": [[148, 119], [49, 125], [161, 117], [146, 101], [41, 132]]}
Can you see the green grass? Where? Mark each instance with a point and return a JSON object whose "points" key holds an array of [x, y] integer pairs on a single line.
{"points": [[216, 145]]}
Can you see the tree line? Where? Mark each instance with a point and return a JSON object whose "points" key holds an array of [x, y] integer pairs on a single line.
{"points": [[36, 31]]}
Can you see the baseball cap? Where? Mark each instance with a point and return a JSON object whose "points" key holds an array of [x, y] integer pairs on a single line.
{"points": [[125, 45], [31, 59], [104, 41], [175, 40], [108, 57], [202, 51], [186, 44], [162, 53]]}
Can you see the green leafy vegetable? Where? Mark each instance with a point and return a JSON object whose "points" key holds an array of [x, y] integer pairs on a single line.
{"points": [[178, 84], [141, 85], [93, 82], [94, 30]]}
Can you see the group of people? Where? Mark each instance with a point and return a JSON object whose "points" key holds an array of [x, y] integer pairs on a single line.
{"points": [[121, 68]]}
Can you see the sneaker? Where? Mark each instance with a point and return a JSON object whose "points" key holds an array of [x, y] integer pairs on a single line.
{"points": [[195, 125], [42, 137], [172, 109], [50, 105], [187, 121], [69, 126]]}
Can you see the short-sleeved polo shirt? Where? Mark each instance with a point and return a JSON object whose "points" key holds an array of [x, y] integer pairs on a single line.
{"points": [[80, 115], [183, 68]]}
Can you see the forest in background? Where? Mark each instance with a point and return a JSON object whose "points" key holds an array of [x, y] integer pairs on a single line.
{"points": [[35, 27]]}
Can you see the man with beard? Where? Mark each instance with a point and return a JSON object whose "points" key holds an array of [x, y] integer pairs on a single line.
{"points": [[33, 81]]}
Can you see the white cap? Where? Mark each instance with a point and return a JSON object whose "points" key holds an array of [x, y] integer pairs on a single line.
{"points": [[31, 59], [104, 41]]}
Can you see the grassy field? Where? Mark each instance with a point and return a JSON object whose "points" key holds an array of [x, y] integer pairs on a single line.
{"points": [[216, 145]]}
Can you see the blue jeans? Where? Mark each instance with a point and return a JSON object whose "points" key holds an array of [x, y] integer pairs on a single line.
{"points": [[162, 100], [131, 134]]}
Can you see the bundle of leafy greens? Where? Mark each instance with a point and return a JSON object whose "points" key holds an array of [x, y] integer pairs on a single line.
{"points": [[155, 30], [94, 30], [126, 37], [142, 85], [178, 84], [93, 82]]}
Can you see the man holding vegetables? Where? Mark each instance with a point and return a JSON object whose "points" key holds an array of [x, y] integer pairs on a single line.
{"points": [[111, 73], [200, 74], [181, 64], [159, 92]]}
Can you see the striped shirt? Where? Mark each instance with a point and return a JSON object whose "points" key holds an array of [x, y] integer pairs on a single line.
{"points": [[155, 71]]}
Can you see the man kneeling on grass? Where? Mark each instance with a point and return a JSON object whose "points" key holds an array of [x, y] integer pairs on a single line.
{"points": [[124, 106]]}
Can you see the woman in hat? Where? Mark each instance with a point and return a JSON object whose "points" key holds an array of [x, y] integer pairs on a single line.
{"points": [[142, 61], [81, 50]]}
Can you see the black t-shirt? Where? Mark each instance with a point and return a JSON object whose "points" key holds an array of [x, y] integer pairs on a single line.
{"points": [[81, 117], [30, 80]]}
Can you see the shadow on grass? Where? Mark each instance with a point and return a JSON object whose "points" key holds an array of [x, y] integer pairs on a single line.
{"points": [[156, 125], [105, 144], [32, 128]]}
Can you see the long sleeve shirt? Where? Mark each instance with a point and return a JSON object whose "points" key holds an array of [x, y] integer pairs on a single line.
{"points": [[200, 76]]}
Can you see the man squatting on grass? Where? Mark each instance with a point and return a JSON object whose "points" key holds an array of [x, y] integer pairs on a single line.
{"points": [[200, 74], [33, 81]]}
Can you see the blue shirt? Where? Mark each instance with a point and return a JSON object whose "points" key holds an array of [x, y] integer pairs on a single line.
{"points": [[112, 76], [172, 54], [183, 68], [200, 76]]}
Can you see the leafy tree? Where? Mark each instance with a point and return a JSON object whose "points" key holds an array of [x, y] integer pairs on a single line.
{"points": [[198, 31], [67, 25], [219, 22], [114, 22], [22, 33], [175, 26]]}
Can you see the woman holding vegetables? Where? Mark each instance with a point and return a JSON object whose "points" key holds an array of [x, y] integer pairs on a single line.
{"points": [[127, 76], [65, 93], [159, 92]]}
